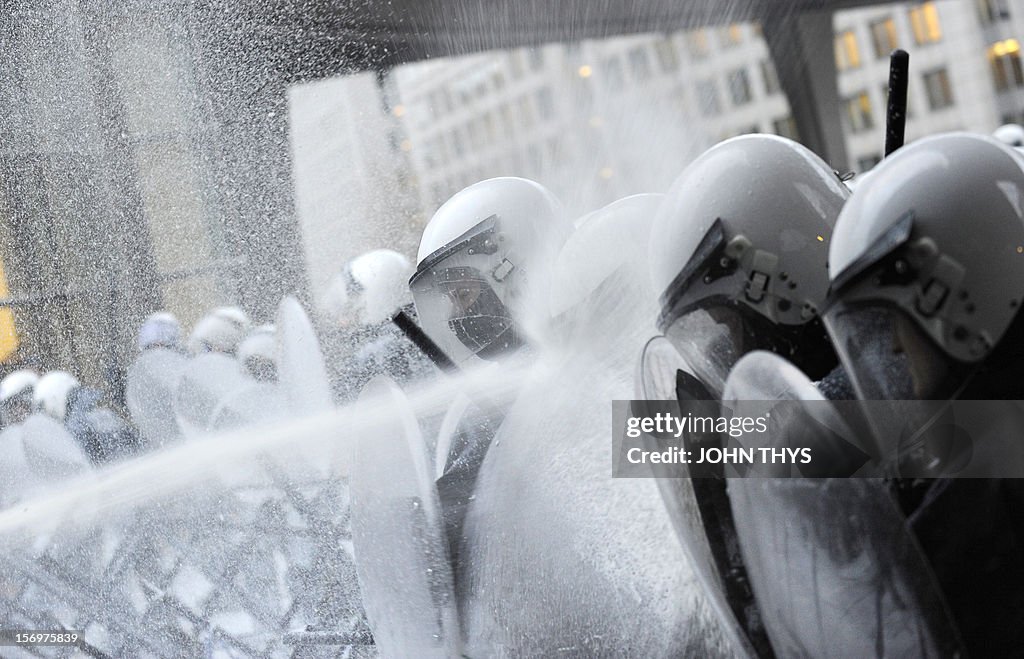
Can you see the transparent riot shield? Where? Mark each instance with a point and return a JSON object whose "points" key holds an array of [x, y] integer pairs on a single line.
{"points": [[656, 381], [50, 450], [149, 395], [398, 538], [832, 562], [446, 434], [253, 404], [15, 475], [300, 362], [206, 382]]}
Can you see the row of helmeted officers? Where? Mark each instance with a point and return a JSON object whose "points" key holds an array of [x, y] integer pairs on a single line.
{"points": [[907, 288]]}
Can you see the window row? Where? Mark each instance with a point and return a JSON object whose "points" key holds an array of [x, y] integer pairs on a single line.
{"points": [[858, 111], [924, 22], [490, 128], [523, 161], [740, 92]]}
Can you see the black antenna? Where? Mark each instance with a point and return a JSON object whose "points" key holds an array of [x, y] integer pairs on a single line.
{"points": [[896, 113]]}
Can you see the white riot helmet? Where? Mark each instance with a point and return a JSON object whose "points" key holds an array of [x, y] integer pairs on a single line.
{"points": [[221, 330], [600, 275], [1010, 135], [370, 288], [160, 330], [483, 266], [258, 353], [16, 391], [927, 271], [51, 394], [738, 256]]}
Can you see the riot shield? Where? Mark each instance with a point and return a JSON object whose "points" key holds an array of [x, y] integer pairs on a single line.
{"points": [[206, 381], [300, 363], [832, 562], [50, 450], [656, 376], [15, 475], [656, 380], [149, 395], [254, 403], [447, 432], [397, 535]]}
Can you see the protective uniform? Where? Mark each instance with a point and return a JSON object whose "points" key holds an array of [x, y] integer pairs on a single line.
{"points": [[548, 526], [101, 433], [153, 377], [258, 354], [49, 448], [738, 256], [927, 281], [479, 287]]}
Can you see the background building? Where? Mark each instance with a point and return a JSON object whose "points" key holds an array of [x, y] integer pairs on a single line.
{"points": [[180, 155]]}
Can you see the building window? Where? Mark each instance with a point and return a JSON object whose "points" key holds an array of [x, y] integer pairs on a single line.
{"points": [[847, 52], [867, 162], [730, 36], [665, 51], [786, 127], [1004, 59], [883, 37], [924, 19], [858, 112], [707, 98], [697, 43], [940, 93], [545, 103], [639, 64], [771, 78], [993, 10], [739, 87]]}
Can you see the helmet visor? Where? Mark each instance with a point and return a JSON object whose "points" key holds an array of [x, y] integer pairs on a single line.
{"points": [[898, 369], [461, 300], [710, 341]]}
